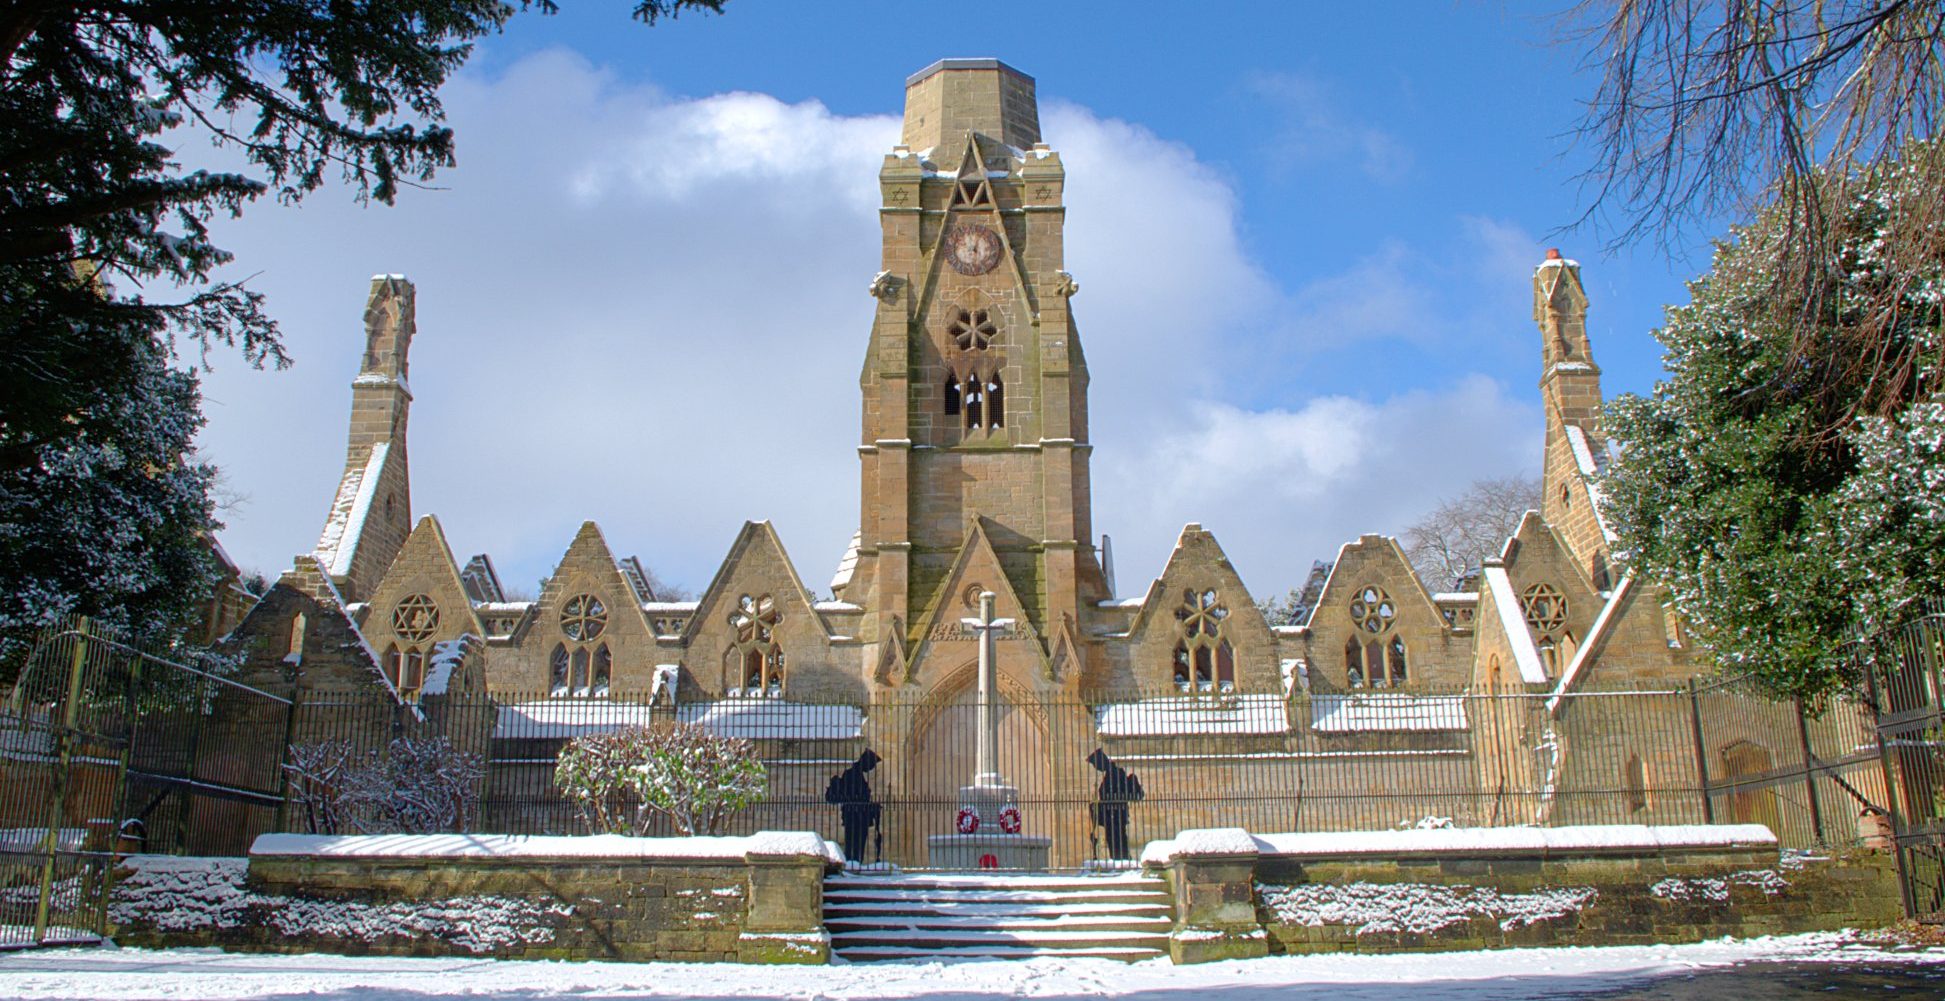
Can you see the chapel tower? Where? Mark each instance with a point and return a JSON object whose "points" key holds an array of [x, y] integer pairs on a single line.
{"points": [[372, 512], [1570, 392], [974, 385]]}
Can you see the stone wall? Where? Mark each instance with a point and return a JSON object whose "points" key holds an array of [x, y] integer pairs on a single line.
{"points": [[1238, 896], [762, 901]]}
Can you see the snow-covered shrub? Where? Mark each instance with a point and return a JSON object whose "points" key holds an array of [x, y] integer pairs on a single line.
{"points": [[416, 785], [623, 780]]}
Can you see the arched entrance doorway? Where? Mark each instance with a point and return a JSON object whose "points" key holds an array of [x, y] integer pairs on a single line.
{"points": [[942, 747]]}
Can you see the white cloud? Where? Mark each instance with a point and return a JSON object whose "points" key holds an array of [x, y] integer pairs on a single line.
{"points": [[1308, 127], [649, 311], [1280, 488]]}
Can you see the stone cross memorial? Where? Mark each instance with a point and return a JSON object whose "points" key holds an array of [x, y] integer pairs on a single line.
{"points": [[990, 806]]}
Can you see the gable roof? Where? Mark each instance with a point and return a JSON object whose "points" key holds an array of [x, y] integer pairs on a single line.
{"points": [[975, 552], [427, 543], [1512, 621], [754, 535]]}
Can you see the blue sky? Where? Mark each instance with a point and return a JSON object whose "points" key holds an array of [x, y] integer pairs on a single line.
{"points": [[1303, 234]]}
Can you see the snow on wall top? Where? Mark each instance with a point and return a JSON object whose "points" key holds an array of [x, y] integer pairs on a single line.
{"points": [[615, 846], [1386, 713], [1232, 714], [1456, 841], [339, 543]]}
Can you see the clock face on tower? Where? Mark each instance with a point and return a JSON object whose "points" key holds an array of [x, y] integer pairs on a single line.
{"points": [[972, 250]]}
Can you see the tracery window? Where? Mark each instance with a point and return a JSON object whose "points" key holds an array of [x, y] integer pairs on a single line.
{"points": [[972, 329], [415, 619], [579, 666], [1546, 611], [1375, 655], [1204, 660], [755, 655]]}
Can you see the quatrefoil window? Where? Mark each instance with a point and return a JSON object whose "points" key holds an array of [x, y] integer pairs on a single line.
{"points": [[972, 329], [1546, 608], [1372, 609], [754, 619], [583, 617], [415, 618]]}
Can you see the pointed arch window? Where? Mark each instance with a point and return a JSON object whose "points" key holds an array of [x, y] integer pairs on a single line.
{"points": [[1375, 655], [1204, 660], [755, 651], [951, 395]]}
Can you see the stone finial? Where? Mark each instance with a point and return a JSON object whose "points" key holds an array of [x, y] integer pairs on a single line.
{"points": [[951, 97], [390, 321]]}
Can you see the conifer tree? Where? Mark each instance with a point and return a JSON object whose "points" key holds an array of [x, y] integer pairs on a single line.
{"points": [[106, 258]]}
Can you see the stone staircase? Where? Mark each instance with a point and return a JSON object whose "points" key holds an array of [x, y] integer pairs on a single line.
{"points": [[941, 915]]}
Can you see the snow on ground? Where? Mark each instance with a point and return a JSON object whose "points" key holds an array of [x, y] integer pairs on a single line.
{"points": [[140, 975]]}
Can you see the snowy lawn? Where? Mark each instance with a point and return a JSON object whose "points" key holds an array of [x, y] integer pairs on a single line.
{"points": [[117, 974]]}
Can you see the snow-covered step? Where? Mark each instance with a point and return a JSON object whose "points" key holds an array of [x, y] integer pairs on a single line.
{"points": [[994, 953], [1119, 916]]}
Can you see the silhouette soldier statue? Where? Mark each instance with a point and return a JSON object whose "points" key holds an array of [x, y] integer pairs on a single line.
{"points": [[1118, 788], [850, 792]]}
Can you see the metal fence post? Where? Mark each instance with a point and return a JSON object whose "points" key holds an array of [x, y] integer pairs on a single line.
{"points": [[1809, 774], [1891, 785], [283, 759], [64, 760], [1701, 753]]}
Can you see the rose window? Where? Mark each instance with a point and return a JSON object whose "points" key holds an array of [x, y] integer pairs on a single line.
{"points": [[1201, 613], [583, 617], [1372, 609], [415, 618], [754, 619], [1546, 608], [972, 329]]}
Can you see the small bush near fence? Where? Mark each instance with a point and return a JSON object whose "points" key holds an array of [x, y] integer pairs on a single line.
{"points": [[415, 785], [622, 781]]}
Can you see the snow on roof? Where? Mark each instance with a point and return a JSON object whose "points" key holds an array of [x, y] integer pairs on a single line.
{"points": [[1590, 465], [848, 564], [775, 719], [1513, 620], [669, 607], [802, 843], [1194, 714], [1596, 638], [563, 718], [342, 529], [1559, 262], [750, 719], [1456, 598], [30, 839], [1134, 602], [502, 607], [1387, 713], [446, 655], [1446, 842], [837, 606]]}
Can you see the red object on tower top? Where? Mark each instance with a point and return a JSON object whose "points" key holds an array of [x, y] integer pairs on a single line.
{"points": [[1553, 253]]}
